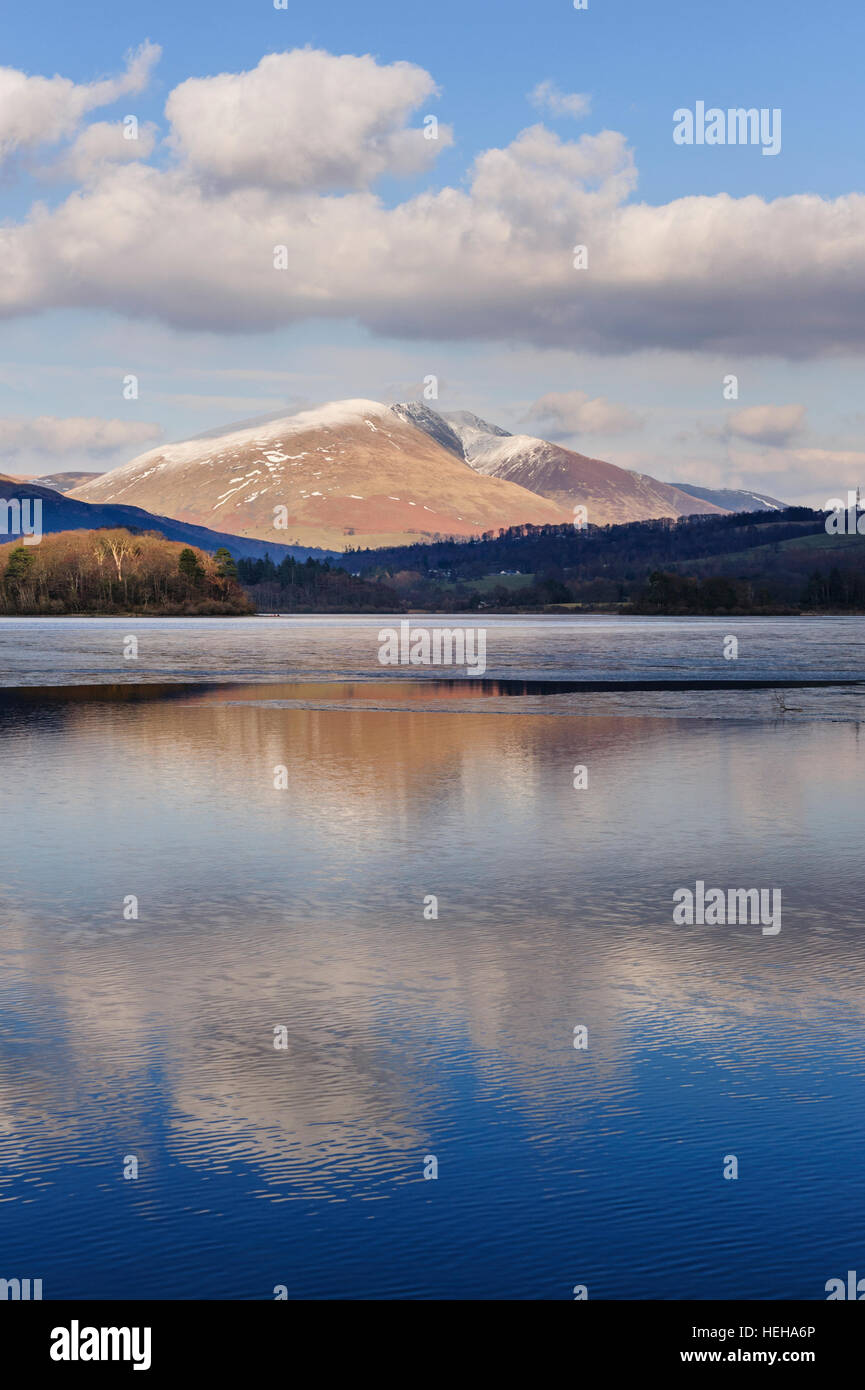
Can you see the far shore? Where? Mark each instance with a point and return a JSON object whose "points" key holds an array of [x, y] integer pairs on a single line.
{"points": [[477, 615]]}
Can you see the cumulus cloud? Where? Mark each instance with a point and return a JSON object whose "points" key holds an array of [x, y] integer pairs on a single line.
{"points": [[547, 97], [156, 242], [305, 120], [100, 144], [767, 424], [563, 413], [43, 110], [61, 442], [193, 244]]}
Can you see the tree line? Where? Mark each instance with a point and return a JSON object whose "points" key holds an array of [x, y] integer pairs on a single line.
{"points": [[117, 571], [295, 586], [741, 562], [760, 562]]}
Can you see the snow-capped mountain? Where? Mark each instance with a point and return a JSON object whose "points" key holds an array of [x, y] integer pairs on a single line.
{"points": [[351, 473], [609, 494], [734, 499]]}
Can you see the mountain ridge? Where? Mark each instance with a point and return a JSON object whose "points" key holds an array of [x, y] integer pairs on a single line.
{"points": [[357, 474], [308, 467], [610, 495]]}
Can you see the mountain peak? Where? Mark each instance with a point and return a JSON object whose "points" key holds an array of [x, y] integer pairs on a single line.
{"points": [[331, 414]]}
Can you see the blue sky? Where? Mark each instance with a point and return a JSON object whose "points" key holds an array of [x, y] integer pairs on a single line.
{"points": [[654, 355], [639, 61]]}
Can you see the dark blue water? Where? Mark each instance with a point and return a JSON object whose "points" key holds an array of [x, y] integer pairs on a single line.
{"points": [[303, 909]]}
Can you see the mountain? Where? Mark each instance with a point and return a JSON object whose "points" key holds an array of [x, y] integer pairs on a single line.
{"points": [[65, 482], [311, 464], [611, 495], [61, 513], [733, 500]]}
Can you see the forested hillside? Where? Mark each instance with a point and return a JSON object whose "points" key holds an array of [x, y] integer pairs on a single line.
{"points": [[745, 562]]}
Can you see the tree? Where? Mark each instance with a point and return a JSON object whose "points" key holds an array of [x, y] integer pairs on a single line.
{"points": [[225, 566], [190, 566], [20, 564], [121, 548]]}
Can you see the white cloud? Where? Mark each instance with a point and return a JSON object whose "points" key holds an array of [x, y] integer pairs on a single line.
{"points": [[305, 120], [42, 110], [62, 443], [156, 243], [767, 424], [98, 145], [547, 97], [564, 413], [192, 245]]}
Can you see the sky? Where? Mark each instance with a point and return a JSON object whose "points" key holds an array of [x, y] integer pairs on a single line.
{"points": [[301, 136]]}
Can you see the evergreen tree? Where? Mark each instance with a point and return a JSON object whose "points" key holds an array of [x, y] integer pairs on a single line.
{"points": [[225, 566], [190, 566], [21, 562]]}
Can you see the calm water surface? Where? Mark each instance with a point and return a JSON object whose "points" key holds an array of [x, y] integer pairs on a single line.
{"points": [[59, 651], [302, 909]]}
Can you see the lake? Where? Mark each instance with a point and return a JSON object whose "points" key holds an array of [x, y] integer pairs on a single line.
{"points": [[221, 968]]}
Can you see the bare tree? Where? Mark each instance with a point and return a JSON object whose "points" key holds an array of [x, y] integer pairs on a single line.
{"points": [[121, 548]]}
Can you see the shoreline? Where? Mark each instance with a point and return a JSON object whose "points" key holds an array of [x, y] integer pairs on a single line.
{"points": [[550, 611], [143, 689]]}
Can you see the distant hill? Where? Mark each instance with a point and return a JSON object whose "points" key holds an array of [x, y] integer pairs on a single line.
{"points": [[65, 482], [733, 500], [61, 513]]}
